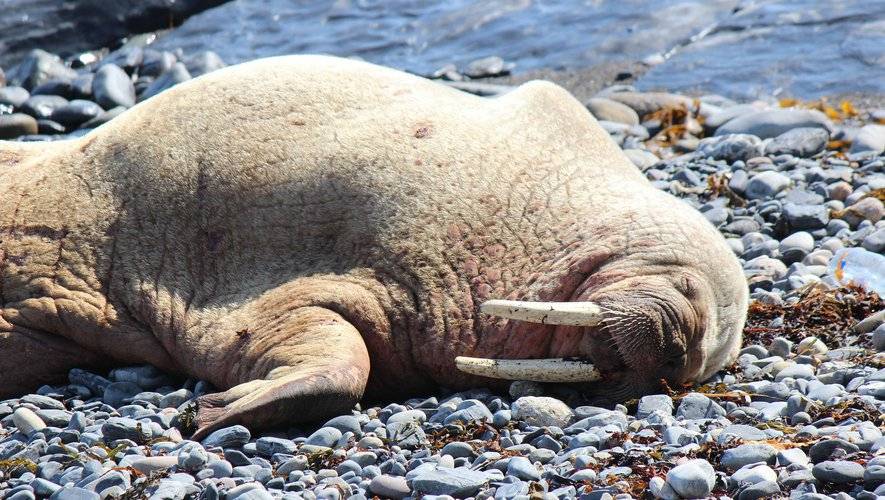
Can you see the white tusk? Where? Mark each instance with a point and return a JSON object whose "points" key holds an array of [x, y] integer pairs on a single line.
{"points": [[546, 313], [535, 370]]}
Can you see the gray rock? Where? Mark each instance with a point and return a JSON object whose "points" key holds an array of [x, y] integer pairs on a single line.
{"points": [[654, 402], [177, 74], [389, 487], [641, 158], [874, 475], [765, 185], [613, 111], [822, 450], [801, 142], [76, 112], [742, 432], [192, 457], [270, 445], [838, 471], [125, 428], [487, 66], [878, 338], [774, 122], [345, 423], [228, 437], [16, 125], [791, 456], [248, 491], [870, 138], [13, 96], [542, 411], [796, 246], [39, 67], [781, 346], [749, 453], [645, 103], [458, 482], [753, 473], [731, 148], [203, 62], [112, 87], [324, 436], [762, 489], [469, 411], [800, 217], [875, 241], [795, 371], [175, 398], [695, 405], [523, 469], [116, 393], [42, 106], [43, 487], [692, 479]]}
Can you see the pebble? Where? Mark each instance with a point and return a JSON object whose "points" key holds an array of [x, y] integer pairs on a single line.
{"points": [[76, 112], [749, 453], [228, 437], [692, 479], [542, 411], [731, 148], [112, 87], [37, 68], [176, 74], [870, 138], [613, 111], [457, 482], [803, 142], [838, 471], [17, 124], [389, 487], [765, 185], [13, 96], [26, 421]]}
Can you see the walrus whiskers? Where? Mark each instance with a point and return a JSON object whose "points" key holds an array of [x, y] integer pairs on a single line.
{"points": [[547, 313], [536, 370]]}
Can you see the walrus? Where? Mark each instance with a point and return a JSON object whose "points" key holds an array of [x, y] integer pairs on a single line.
{"points": [[307, 231]]}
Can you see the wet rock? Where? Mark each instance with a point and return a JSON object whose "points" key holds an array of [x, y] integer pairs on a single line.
{"points": [[203, 62], [42, 106], [13, 96], [16, 125], [39, 67], [76, 112], [177, 74], [112, 87]]}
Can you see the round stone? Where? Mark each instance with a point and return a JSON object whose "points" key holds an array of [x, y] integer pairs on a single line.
{"points": [[542, 411], [692, 479], [838, 471], [26, 421], [16, 125], [112, 87]]}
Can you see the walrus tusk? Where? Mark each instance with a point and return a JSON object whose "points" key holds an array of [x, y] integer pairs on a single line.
{"points": [[547, 313], [535, 370]]}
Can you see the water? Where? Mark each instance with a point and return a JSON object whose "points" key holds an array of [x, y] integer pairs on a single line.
{"points": [[805, 48]]}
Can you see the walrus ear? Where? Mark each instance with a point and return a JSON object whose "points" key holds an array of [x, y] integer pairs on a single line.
{"points": [[304, 385]]}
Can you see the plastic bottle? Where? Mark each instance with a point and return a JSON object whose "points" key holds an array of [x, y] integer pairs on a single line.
{"points": [[860, 267]]}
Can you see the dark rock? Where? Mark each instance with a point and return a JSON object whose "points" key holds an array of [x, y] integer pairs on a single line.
{"points": [[50, 127], [17, 124], [838, 471], [104, 117], [112, 87], [68, 28], [127, 58], [803, 217], [203, 62], [822, 450], [38, 68], [42, 106], [155, 63], [174, 76], [76, 112]]}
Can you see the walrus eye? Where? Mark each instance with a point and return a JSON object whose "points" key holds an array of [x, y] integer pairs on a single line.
{"points": [[537, 370]]}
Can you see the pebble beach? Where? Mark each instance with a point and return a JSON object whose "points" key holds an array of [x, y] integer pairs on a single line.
{"points": [[790, 183]]}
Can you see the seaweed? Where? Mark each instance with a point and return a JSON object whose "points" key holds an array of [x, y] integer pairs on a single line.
{"points": [[12, 465]]}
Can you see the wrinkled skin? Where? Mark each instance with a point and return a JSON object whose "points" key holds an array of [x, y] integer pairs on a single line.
{"points": [[305, 231]]}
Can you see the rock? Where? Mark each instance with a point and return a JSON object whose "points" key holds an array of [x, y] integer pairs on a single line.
{"points": [[870, 209], [74, 493], [774, 122], [795, 247], [791, 456], [26, 421], [716, 120], [125, 428], [542, 411], [487, 66], [878, 338], [203, 62], [39, 67], [795, 371], [762, 489], [613, 111], [641, 158], [523, 469], [42, 106], [175, 399], [875, 241], [50, 127], [270, 445], [248, 491], [324, 436], [731, 148], [838, 471], [692, 479], [800, 217], [112, 87], [386, 486], [192, 457], [228, 437], [742, 432], [177, 74], [116, 393], [753, 473], [16, 125], [811, 346], [765, 185], [870, 138], [76, 112], [660, 489], [696, 405], [13, 96], [822, 450], [801, 142], [458, 482], [654, 402], [645, 103], [749, 453]]}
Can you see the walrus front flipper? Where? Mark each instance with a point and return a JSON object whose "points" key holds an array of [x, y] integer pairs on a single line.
{"points": [[312, 362]]}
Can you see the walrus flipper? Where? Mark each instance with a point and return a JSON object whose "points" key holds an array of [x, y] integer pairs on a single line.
{"points": [[326, 373]]}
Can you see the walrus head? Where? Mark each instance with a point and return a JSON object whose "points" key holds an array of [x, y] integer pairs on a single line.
{"points": [[637, 333]]}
